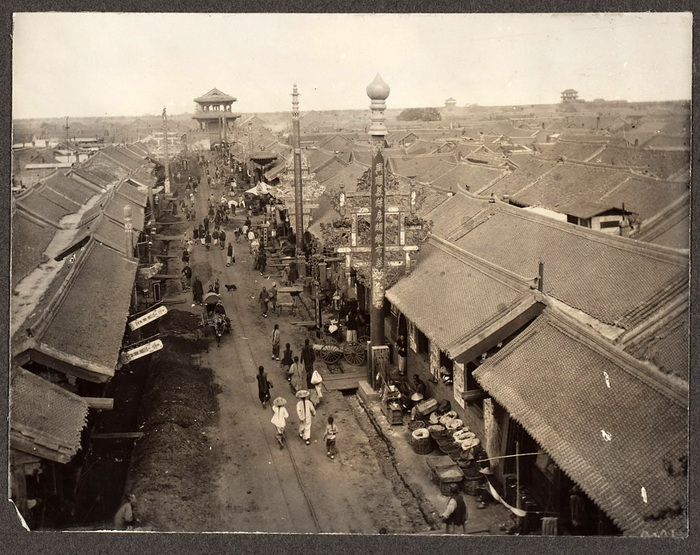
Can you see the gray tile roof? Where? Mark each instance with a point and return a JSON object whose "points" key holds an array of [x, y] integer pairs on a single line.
{"points": [[606, 277], [44, 415], [609, 424]]}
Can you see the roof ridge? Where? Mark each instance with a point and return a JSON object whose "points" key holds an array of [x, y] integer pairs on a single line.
{"points": [[670, 388], [500, 274], [658, 252]]}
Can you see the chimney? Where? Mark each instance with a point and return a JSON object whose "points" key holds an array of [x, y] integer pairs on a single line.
{"points": [[540, 281]]}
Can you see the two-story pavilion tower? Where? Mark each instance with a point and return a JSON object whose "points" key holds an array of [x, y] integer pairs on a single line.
{"points": [[214, 112]]}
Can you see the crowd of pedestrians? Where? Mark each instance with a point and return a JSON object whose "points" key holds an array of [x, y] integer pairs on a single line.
{"points": [[226, 221]]}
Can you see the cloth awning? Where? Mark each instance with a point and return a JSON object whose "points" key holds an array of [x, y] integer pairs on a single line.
{"points": [[617, 427], [261, 188]]}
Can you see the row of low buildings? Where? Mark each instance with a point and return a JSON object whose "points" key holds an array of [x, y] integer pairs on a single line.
{"points": [[558, 304], [75, 238]]}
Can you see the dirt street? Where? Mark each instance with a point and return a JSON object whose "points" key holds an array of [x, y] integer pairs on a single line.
{"points": [[237, 478]]}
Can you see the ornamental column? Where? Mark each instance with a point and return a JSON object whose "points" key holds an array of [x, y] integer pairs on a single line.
{"points": [[298, 195], [378, 92]]}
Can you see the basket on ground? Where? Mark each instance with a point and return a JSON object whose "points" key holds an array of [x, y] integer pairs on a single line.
{"points": [[421, 441]]}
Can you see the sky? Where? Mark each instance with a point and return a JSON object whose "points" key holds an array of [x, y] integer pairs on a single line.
{"points": [[96, 64]]}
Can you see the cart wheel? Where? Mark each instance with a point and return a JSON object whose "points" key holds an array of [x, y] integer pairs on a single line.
{"points": [[330, 352], [356, 353]]}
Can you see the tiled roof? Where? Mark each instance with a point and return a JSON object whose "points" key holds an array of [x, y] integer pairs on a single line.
{"points": [[57, 198], [611, 425], [317, 158], [87, 326], [662, 164], [121, 158], [114, 209], [646, 197], [106, 231], [336, 142], [45, 420], [474, 176], [670, 230], [105, 168], [425, 168], [30, 238], [215, 95], [347, 177], [463, 296], [422, 147], [572, 150], [138, 158], [329, 169], [454, 213], [569, 183], [614, 276], [103, 181], [681, 142], [526, 173], [68, 187], [37, 204], [131, 193], [664, 341]]}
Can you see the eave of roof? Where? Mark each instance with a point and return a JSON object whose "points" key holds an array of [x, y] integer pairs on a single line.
{"points": [[555, 377]]}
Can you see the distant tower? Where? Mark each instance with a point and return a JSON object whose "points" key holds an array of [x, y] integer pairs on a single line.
{"points": [[214, 113], [569, 95], [450, 103]]}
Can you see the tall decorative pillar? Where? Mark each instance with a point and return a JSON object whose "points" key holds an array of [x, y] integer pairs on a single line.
{"points": [[298, 193], [167, 155], [378, 92]]}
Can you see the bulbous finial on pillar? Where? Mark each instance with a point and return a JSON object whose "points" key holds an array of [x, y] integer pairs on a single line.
{"points": [[378, 92], [378, 89]]}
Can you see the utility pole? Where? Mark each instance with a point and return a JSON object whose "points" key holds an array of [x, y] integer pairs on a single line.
{"points": [[298, 196]]}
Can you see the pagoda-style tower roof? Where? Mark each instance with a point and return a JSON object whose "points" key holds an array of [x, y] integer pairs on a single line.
{"points": [[215, 95]]}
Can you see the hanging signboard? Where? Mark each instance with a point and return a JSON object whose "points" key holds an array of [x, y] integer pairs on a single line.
{"points": [[143, 350], [146, 318]]}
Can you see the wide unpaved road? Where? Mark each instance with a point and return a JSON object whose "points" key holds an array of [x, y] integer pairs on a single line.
{"points": [[296, 489]]}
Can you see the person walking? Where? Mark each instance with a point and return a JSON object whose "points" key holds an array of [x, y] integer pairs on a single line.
{"points": [[329, 436], [293, 273], [298, 375], [273, 297], [276, 342], [215, 236], [222, 238], [308, 357], [305, 412], [262, 261], [207, 240], [279, 418], [455, 514], [217, 286], [287, 361], [351, 324], [197, 291], [186, 277], [229, 254], [264, 386], [264, 299]]}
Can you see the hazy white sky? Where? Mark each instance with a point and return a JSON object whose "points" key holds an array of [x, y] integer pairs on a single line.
{"points": [[92, 64]]}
